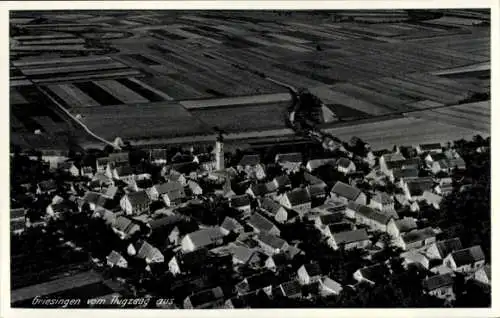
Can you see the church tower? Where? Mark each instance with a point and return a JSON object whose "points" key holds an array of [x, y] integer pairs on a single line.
{"points": [[219, 153]]}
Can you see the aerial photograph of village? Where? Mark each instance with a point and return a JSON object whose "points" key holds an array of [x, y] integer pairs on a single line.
{"points": [[224, 159]]}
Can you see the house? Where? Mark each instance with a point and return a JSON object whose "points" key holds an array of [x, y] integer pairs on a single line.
{"points": [[110, 192], [372, 156], [431, 148], [371, 274], [69, 168], [483, 275], [345, 165], [323, 220], [441, 249], [282, 182], [46, 187], [328, 287], [271, 244], [17, 220], [276, 261], [124, 173], [363, 214], [230, 225], [158, 156], [251, 166], [415, 258], [432, 199], [59, 209], [414, 189], [135, 203], [195, 188], [118, 157], [255, 283], [465, 260], [388, 158], [156, 191], [245, 255], [382, 202], [260, 224], [297, 200], [211, 298], [309, 274], [262, 190], [435, 156], [316, 163], [209, 237], [95, 200], [240, 203], [174, 197], [350, 240], [115, 259], [290, 162], [175, 176], [403, 174], [187, 262], [416, 238], [346, 193], [108, 216], [445, 185], [274, 210], [125, 227], [102, 164], [440, 286], [290, 289], [328, 208], [236, 303], [340, 227], [149, 253], [397, 227], [442, 165], [206, 161]]}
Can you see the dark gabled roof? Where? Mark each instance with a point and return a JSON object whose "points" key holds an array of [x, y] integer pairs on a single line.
{"points": [[155, 154], [369, 213], [418, 186], [344, 190], [138, 198], [271, 240], [17, 213], [65, 206], [118, 157], [313, 180], [47, 185], [124, 224], [279, 259], [147, 250], [242, 253], [282, 181], [437, 281], [446, 247], [190, 260], [65, 165], [260, 189], [412, 163], [378, 153], [261, 280], [290, 288], [468, 255], [206, 296], [91, 197], [383, 198], [270, 206], [298, 196], [312, 269], [166, 187], [374, 273], [316, 190], [124, 170], [406, 224], [438, 156], [340, 227], [102, 161], [350, 236], [165, 221], [289, 157], [343, 162], [405, 173], [206, 236], [430, 146], [260, 223], [237, 302], [331, 218], [240, 200], [231, 224], [249, 160], [418, 235], [114, 257]]}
